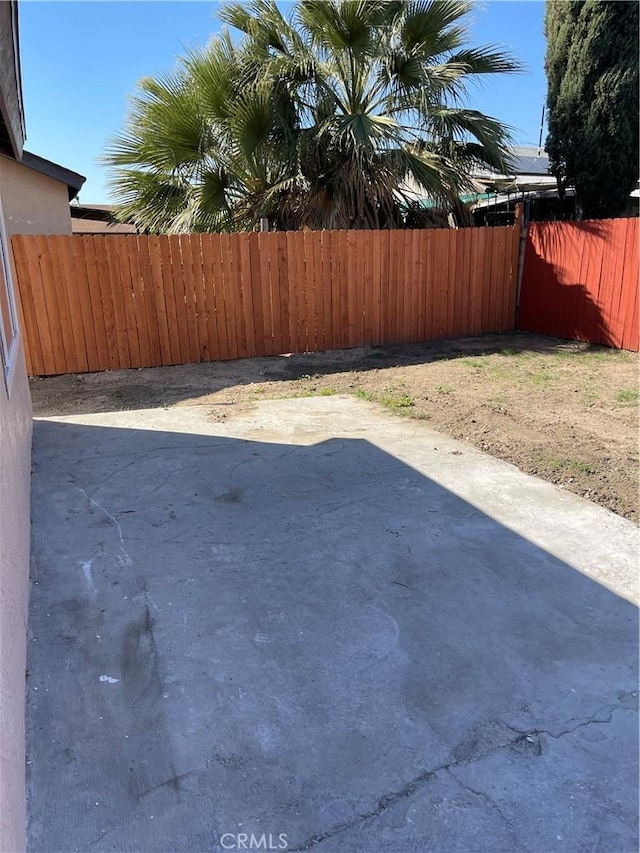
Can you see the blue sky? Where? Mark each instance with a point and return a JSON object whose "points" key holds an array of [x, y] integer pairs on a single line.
{"points": [[80, 61]]}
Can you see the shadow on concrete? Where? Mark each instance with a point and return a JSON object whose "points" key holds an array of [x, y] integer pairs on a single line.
{"points": [[153, 387], [234, 636]]}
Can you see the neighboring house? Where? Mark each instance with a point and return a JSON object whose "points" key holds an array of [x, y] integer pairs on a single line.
{"points": [[34, 198], [499, 193], [36, 194], [97, 219], [529, 173], [528, 181]]}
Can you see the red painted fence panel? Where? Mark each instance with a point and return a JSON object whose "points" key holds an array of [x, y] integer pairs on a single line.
{"points": [[580, 281]]}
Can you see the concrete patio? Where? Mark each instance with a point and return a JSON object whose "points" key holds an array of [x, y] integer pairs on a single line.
{"points": [[325, 627]]}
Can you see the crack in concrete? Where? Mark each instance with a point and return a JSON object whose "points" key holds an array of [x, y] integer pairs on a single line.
{"points": [[493, 805], [171, 783], [124, 557], [586, 722], [408, 790]]}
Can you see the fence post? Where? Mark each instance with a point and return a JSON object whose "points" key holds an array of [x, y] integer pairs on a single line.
{"points": [[521, 227]]}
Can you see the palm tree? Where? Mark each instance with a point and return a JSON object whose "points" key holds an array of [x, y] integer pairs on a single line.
{"points": [[328, 118]]}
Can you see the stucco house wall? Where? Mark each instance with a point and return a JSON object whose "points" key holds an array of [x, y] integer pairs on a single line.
{"points": [[15, 470], [33, 203]]}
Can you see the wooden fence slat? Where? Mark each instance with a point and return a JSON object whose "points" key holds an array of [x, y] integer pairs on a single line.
{"points": [[95, 273], [81, 285], [189, 287], [403, 277], [143, 321], [122, 354], [409, 285], [304, 302], [240, 297], [352, 322], [439, 285], [308, 239], [277, 319], [511, 274], [459, 308], [141, 248], [582, 311], [291, 285], [366, 276], [418, 274], [444, 273], [166, 284], [466, 321], [33, 348], [51, 247], [125, 284], [153, 251], [323, 295], [376, 276], [358, 286], [497, 276], [441, 262], [75, 353], [247, 291], [427, 238], [343, 288], [261, 264], [216, 329], [478, 279], [231, 302], [107, 308], [52, 303], [336, 284], [324, 291], [175, 287], [630, 287], [294, 271], [318, 296], [200, 298], [619, 240], [283, 293], [36, 282], [385, 252], [458, 327], [225, 331], [487, 280]]}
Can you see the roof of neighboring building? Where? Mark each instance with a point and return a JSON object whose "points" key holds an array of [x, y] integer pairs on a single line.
{"points": [[97, 219], [530, 161], [73, 180], [529, 170], [524, 161]]}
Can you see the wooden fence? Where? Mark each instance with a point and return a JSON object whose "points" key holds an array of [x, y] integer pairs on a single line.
{"points": [[580, 281], [99, 303]]}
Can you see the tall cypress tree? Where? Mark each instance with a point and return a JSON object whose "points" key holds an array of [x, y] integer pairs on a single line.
{"points": [[592, 99]]}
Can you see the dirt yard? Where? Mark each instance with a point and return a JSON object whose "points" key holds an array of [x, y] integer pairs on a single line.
{"points": [[566, 412]]}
